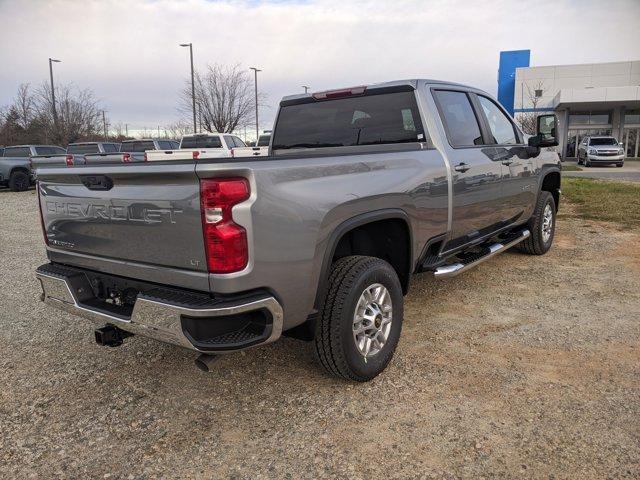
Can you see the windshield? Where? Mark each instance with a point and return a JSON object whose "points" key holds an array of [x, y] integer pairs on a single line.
{"points": [[363, 120], [201, 141], [603, 141]]}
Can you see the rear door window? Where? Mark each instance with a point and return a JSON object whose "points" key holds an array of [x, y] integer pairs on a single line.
{"points": [[238, 142], [201, 141], [502, 130], [461, 124], [17, 152], [50, 151], [374, 119]]}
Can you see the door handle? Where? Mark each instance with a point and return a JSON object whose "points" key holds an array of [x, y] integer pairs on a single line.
{"points": [[461, 167], [507, 162]]}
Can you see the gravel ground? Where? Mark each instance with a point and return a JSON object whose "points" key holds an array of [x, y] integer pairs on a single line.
{"points": [[522, 368]]}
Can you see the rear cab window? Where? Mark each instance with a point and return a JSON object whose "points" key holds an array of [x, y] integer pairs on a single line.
{"points": [[201, 141], [379, 117], [83, 148], [137, 146], [50, 151], [17, 152]]}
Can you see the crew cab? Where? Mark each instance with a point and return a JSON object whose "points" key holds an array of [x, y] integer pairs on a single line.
{"points": [[199, 145], [600, 150], [362, 187], [17, 164], [130, 151]]}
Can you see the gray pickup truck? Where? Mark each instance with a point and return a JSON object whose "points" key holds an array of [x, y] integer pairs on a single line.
{"points": [[16, 164], [362, 187]]}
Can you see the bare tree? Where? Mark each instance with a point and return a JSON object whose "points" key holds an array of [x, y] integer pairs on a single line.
{"points": [[25, 105], [79, 115], [177, 129], [224, 98], [527, 120]]}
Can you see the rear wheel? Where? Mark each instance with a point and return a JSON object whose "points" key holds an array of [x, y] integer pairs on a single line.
{"points": [[19, 181], [361, 319], [542, 226]]}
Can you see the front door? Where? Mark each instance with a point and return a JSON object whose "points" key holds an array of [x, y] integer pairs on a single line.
{"points": [[519, 182], [476, 177]]}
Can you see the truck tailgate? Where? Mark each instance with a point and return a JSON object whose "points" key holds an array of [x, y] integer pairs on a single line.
{"points": [[136, 213]]}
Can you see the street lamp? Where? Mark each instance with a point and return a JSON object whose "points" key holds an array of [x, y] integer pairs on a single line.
{"points": [[53, 93], [255, 70], [306, 88], [193, 86]]}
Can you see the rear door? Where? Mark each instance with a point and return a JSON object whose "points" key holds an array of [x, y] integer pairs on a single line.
{"points": [[476, 177]]}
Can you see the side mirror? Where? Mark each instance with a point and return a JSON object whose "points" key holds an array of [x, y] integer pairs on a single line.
{"points": [[545, 132]]}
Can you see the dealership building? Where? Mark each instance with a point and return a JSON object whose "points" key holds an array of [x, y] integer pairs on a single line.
{"points": [[589, 99]]}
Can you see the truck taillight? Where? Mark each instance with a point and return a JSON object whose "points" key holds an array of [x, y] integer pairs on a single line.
{"points": [[69, 160], [145, 157], [225, 241], [195, 155], [126, 157], [44, 231]]}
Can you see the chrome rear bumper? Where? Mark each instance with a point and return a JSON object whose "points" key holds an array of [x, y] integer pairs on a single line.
{"points": [[157, 318]]}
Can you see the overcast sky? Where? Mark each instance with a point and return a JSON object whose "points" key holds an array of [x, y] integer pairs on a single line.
{"points": [[128, 53]]}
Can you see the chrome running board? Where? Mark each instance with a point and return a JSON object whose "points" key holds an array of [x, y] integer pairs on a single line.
{"points": [[453, 269]]}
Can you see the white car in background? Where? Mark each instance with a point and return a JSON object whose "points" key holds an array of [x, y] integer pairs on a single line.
{"points": [[199, 146]]}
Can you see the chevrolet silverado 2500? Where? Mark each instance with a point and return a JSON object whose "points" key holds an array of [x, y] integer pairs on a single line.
{"points": [[318, 240]]}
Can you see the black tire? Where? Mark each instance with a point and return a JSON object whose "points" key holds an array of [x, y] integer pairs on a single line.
{"points": [[587, 163], [535, 244], [620, 164], [19, 181], [334, 337]]}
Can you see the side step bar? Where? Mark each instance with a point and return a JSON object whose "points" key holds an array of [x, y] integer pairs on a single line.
{"points": [[453, 269]]}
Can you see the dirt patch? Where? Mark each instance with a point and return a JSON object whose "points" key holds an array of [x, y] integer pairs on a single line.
{"points": [[525, 367]]}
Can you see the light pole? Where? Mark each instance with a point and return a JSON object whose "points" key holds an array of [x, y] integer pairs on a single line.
{"points": [[53, 93], [255, 70], [306, 88], [193, 86]]}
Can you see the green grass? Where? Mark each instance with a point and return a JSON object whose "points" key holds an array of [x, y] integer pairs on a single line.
{"points": [[603, 200], [567, 167]]}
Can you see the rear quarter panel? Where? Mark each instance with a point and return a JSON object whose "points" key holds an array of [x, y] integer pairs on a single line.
{"points": [[296, 204]]}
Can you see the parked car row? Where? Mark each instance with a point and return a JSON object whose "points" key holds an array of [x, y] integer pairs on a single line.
{"points": [[19, 164]]}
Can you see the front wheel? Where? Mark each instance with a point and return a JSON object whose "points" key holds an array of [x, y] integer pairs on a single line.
{"points": [[542, 226], [360, 322], [620, 165]]}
